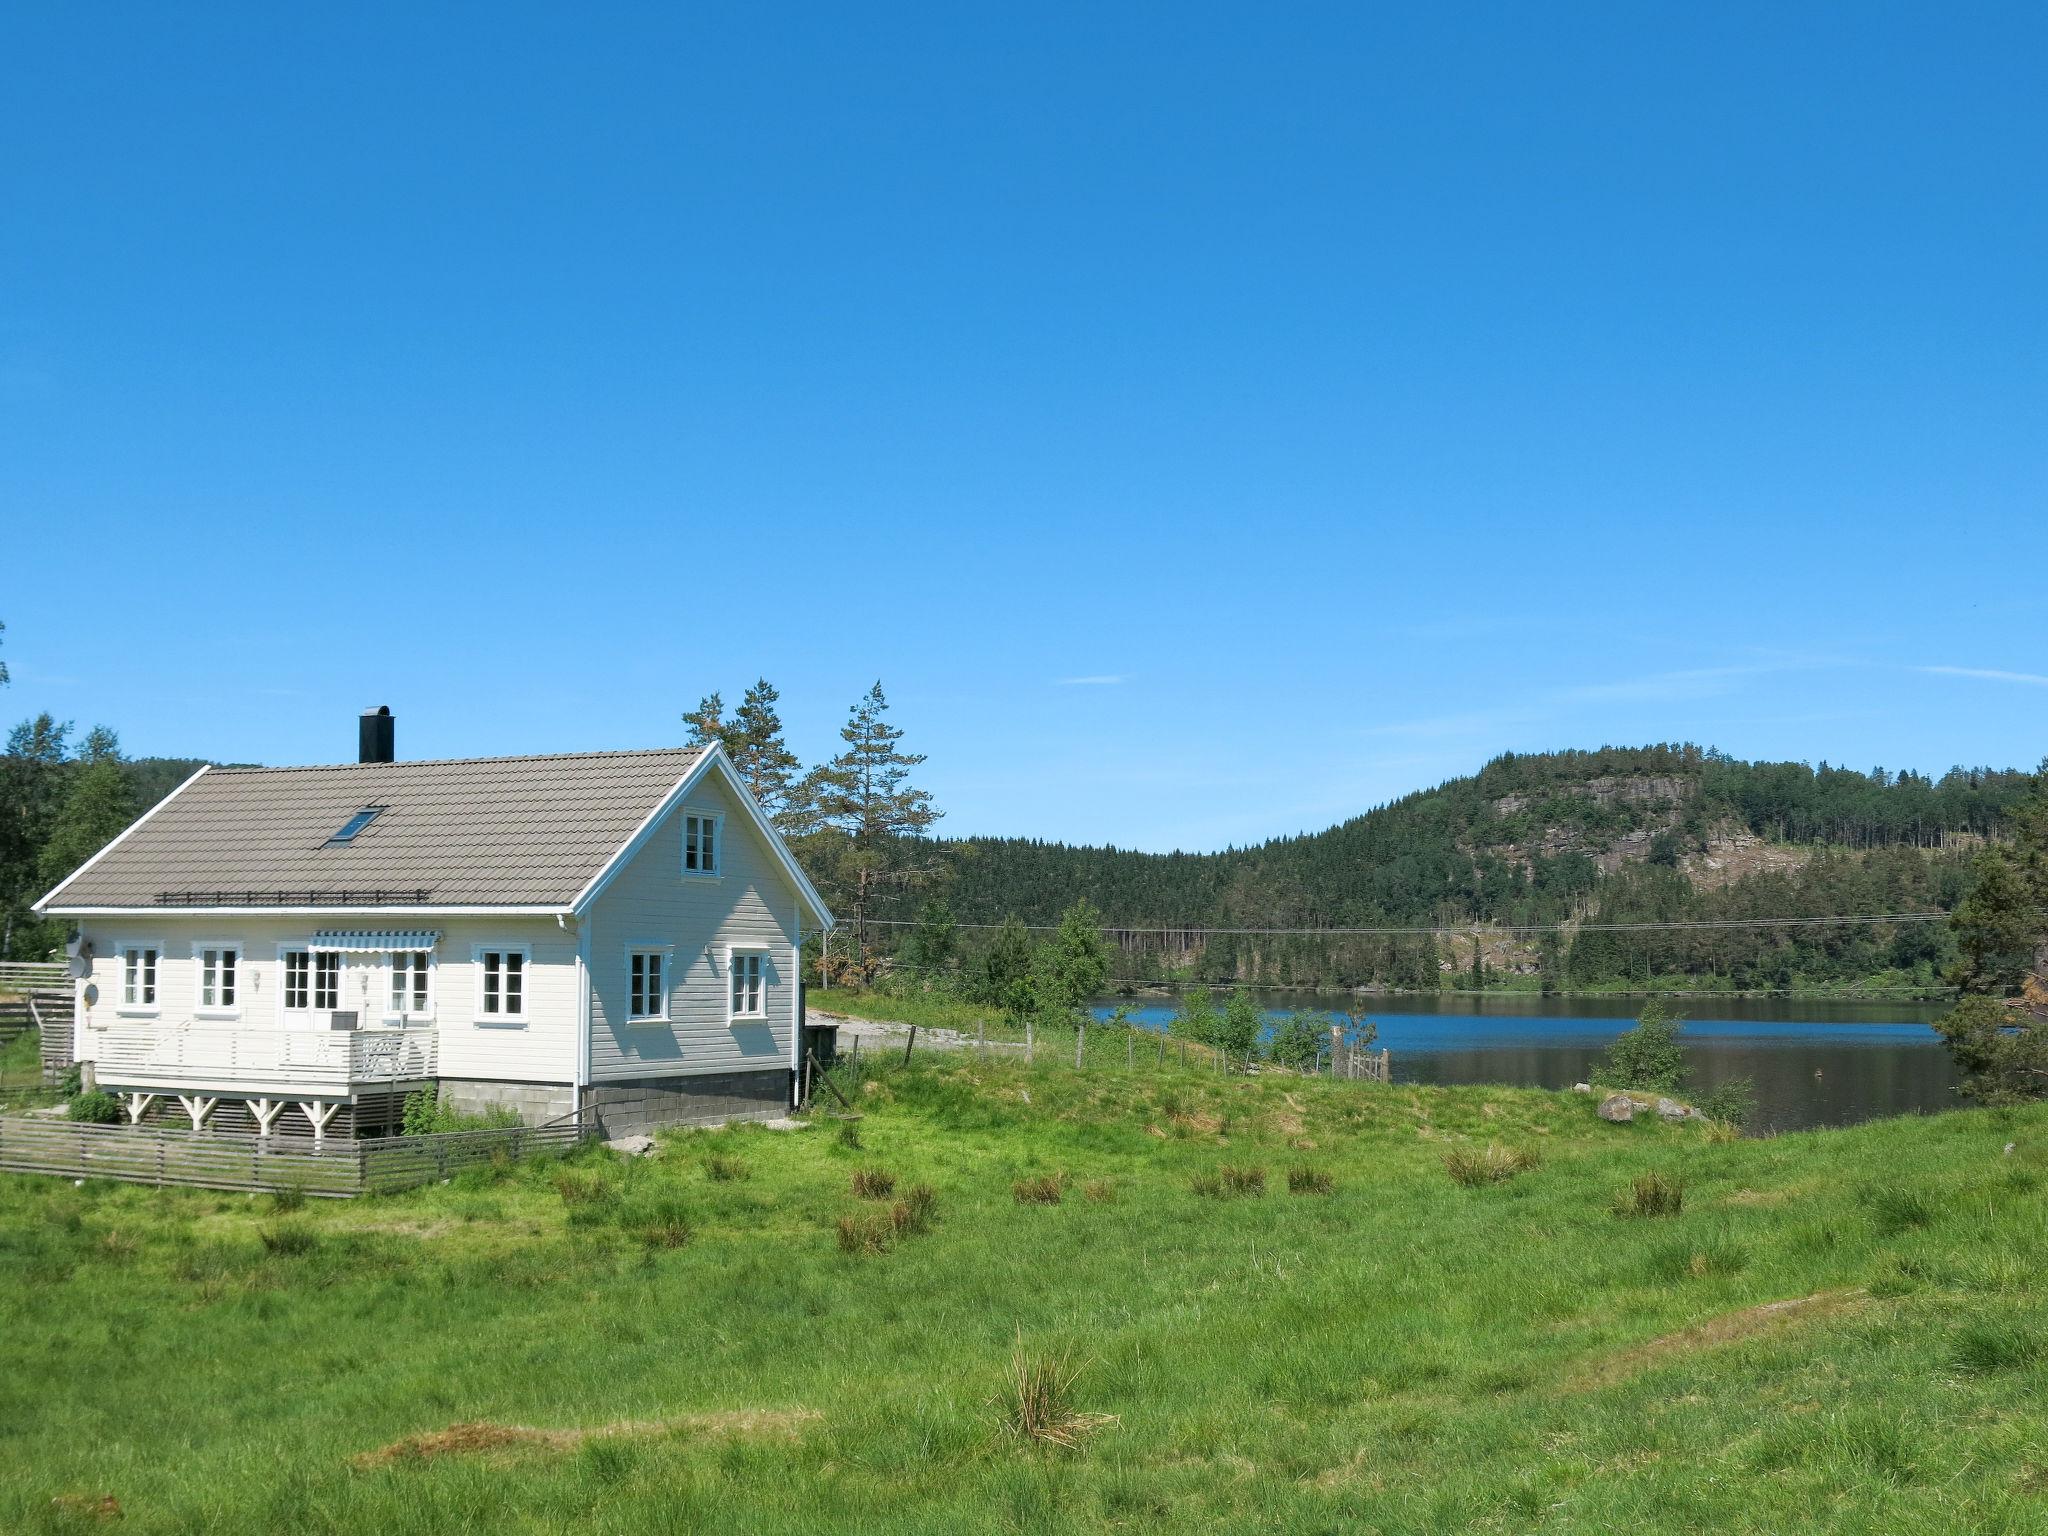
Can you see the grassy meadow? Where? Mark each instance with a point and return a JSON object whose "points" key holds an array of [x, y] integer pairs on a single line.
{"points": [[1256, 1304]]}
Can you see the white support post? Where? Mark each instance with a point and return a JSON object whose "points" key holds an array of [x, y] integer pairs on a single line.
{"points": [[138, 1106], [198, 1106], [319, 1115], [266, 1112]]}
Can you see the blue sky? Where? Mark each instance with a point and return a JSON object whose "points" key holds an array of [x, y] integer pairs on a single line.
{"points": [[1208, 422]]}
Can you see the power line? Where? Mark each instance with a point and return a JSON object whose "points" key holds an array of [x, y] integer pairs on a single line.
{"points": [[1194, 931]]}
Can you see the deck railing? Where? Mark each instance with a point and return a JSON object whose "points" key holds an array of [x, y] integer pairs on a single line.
{"points": [[229, 1057]]}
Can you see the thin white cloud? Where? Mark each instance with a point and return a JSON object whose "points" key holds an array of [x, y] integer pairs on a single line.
{"points": [[1097, 680], [1989, 675]]}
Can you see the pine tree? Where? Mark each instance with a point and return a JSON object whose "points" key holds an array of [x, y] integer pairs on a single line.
{"points": [[1998, 1033], [707, 721], [773, 774], [865, 796], [32, 784]]}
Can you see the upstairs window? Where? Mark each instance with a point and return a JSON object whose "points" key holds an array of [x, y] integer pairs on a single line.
{"points": [[501, 986], [219, 968], [747, 1000], [700, 843], [411, 996], [646, 985], [138, 977]]}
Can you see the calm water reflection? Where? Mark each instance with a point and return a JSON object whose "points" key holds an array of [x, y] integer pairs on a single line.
{"points": [[1814, 1063]]}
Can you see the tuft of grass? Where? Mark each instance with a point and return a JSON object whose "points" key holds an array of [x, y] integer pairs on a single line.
{"points": [[721, 1169], [663, 1222], [1999, 1345], [1495, 1165], [849, 1134], [1895, 1209], [1100, 1191], [864, 1235], [584, 1188], [1652, 1194], [1046, 1189], [293, 1239], [1229, 1182], [1037, 1403], [913, 1215], [1310, 1181], [873, 1183], [290, 1197]]}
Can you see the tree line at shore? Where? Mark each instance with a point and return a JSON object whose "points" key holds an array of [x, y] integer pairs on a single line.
{"points": [[1540, 842]]}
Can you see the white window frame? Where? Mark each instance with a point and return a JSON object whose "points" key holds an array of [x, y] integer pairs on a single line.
{"points": [[314, 1007], [666, 953], [218, 1010], [139, 1010], [759, 1013], [476, 1004], [716, 819], [394, 1014]]}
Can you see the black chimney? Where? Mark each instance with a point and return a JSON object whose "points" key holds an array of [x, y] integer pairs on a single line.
{"points": [[374, 741]]}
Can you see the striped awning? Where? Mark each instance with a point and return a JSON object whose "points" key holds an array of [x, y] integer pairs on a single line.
{"points": [[355, 942]]}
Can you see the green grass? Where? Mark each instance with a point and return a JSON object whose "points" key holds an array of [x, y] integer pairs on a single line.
{"points": [[21, 1072], [689, 1352]]}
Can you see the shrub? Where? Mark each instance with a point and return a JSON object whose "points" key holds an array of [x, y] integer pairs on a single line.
{"points": [[1646, 1057], [1495, 1165], [1038, 1403], [426, 1114], [873, 1183], [721, 1169], [1733, 1103], [95, 1108], [1046, 1189], [1310, 1181], [1652, 1194], [865, 1234]]}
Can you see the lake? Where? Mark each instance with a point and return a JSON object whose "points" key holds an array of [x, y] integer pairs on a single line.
{"points": [[1813, 1063]]}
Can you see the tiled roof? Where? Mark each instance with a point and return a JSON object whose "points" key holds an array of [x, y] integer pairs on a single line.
{"points": [[493, 831]]}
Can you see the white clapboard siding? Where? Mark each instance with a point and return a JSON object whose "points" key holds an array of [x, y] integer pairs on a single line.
{"points": [[543, 1049], [651, 902]]}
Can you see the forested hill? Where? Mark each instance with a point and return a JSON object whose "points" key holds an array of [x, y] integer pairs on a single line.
{"points": [[1622, 834]]}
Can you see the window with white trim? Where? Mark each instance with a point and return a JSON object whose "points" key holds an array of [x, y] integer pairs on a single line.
{"points": [[700, 843], [312, 980], [647, 985], [501, 986], [748, 999], [138, 977], [219, 967], [412, 994]]}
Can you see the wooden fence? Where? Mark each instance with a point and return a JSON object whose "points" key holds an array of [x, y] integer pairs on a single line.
{"points": [[224, 1160]]}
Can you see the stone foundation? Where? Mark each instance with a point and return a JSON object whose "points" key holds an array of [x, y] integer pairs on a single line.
{"points": [[632, 1107], [534, 1103]]}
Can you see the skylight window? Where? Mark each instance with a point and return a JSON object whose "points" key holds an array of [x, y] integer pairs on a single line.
{"points": [[356, 823]]}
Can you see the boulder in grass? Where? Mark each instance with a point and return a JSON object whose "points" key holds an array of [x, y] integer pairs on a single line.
{"points": [[1671, 1109], [1618, 1107], [632, 1146]]}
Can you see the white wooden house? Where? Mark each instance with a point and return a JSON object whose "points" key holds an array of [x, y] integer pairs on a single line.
{"points": [[297, 949]]}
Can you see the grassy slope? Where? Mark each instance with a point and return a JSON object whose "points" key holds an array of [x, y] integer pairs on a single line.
{"points": [[1406, 1355]]}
